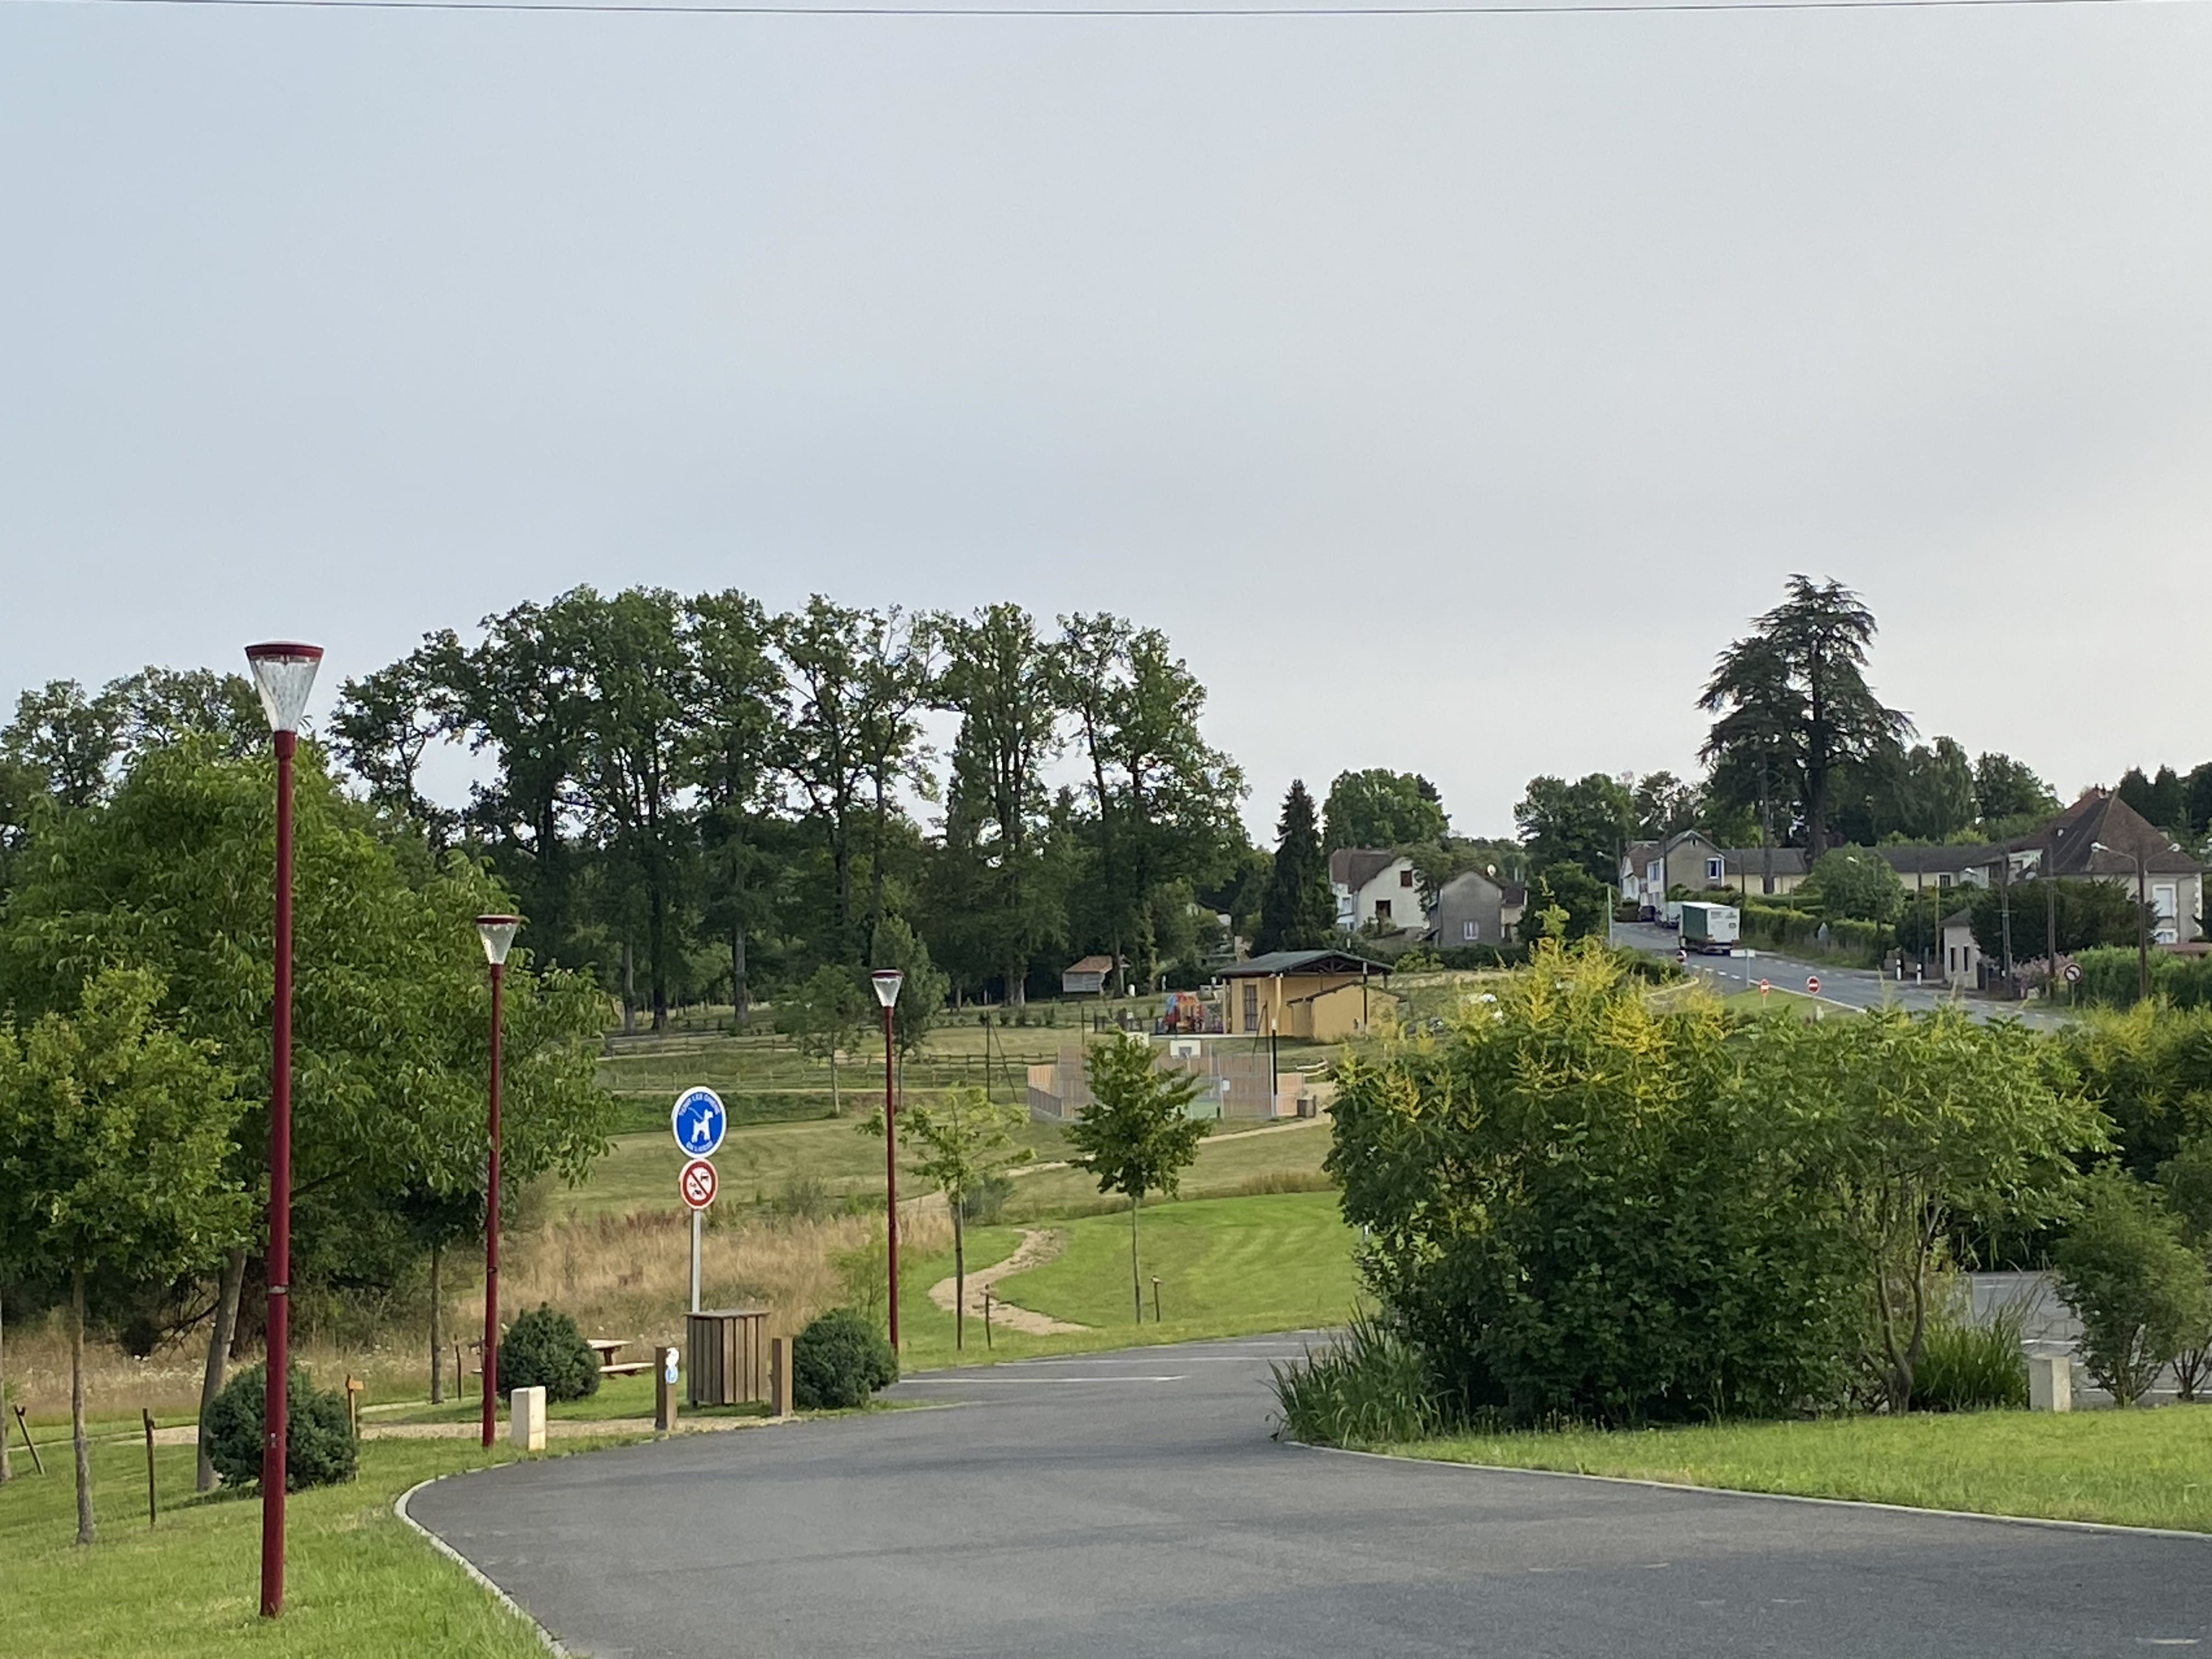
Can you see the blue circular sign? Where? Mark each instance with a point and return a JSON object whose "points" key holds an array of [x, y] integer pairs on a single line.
{"points": [[699, 1122]]}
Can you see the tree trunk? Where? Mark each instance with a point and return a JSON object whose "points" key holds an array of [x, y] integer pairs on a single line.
{"points": [[437, 1369], [1017, 990], [741, 1000], [1136, 1284], [836, 1100], [876, 867], [629, 990], [77, 1437], [5, 1472], [959, 1276], [219, 1339], [656, 933]]}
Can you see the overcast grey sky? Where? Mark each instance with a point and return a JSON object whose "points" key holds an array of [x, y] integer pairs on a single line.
{"points": [[1450, 389]]}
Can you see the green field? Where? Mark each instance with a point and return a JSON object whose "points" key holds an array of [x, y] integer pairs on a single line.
{"points": [[360, 1584], [2142, 1468], [1226, 1267]]}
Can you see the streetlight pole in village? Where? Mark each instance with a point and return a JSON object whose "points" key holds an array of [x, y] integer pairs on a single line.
{"points": [[887, 981], [284, 675], [497, 934], [2142, 922]]}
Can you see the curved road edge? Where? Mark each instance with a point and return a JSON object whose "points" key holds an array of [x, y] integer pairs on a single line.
{"points": [[2115, 1527], [400, 1507]]}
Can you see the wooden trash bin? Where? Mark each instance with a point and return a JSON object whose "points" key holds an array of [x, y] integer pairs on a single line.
{"points": [[729, 1356]]}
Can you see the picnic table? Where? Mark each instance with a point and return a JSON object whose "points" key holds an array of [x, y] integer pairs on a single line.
{"points": [[606, 1348]]}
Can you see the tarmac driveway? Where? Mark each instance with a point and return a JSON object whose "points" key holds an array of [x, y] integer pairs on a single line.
{"points": [[1131, 1504]]}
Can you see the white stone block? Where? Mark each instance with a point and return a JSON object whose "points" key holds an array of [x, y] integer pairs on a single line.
{"points": [[525, 1416], [2051, 1382]]}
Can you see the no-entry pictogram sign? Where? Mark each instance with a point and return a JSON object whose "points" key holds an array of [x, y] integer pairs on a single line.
{"points": [[697, 1183], [1811, 985], [1764, 988]]}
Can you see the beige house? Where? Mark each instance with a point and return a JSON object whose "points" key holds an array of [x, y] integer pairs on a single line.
{"points": [[2101, 838], [1649, 870], [1316, 996]]}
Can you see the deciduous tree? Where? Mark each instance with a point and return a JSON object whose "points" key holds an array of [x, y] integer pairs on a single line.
{"points": [[1381, 808], [114, 1132], [1136, 1137]]}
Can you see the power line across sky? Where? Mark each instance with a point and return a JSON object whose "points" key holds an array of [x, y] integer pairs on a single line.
{"points": [[829, 9]]}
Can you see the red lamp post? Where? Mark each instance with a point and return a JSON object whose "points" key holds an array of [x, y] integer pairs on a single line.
{"points": [[497, 934], [284, 675], [887, 981]]}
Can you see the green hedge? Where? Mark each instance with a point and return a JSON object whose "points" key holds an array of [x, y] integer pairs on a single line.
{"points": [[1778, 928], [2110, 976]]}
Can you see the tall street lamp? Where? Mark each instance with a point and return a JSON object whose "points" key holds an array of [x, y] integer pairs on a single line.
{"points": [[284, 675], [887, 981], [497, 934], [2143, 923]]}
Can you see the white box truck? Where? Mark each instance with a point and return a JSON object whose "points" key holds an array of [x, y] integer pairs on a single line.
{"points": [[1712, 929]]}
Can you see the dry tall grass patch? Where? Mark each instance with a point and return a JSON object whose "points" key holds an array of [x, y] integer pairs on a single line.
{"points": [[618, 1276]]}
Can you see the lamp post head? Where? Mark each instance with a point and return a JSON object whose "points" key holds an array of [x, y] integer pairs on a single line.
{"points": [[887, 981], [497, 934], [284, 675]]}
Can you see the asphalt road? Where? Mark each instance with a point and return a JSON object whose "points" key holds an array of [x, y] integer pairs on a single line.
{"points": [[1852, 988], [1131, 1504]]}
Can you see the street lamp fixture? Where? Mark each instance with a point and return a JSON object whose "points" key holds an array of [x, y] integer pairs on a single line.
{"points": [[497, 934], [284, 675], [886, 981]]}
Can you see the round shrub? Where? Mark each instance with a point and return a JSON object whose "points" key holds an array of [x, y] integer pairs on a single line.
{"points": [[839, 1360], [544, 1350], [319, 1450]]}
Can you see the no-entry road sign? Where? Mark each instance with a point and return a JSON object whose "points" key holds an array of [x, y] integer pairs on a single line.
{"points": [[697, 1183], [699, 1122], [1811, 985]]}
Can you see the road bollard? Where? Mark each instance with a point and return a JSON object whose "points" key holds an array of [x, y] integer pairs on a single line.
{"points": [[987, 1315], [1156, 1298], [525, 1418], [2051, 1382], [778, 1376], [664, 1393]]}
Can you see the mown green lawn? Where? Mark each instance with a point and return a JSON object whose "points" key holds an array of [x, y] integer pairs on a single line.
{"points": [[1227, 1266], [360, 1584], [2142, 1468]]}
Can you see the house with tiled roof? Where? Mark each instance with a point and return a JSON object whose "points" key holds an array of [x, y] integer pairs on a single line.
{"points": [[2101, 838], [1375, 887]]}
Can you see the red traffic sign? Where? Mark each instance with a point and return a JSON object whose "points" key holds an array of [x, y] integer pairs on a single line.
{"points": [[1682, 954], [1764, 988], [2073, 973], [1813, 985], [697, 1183]]}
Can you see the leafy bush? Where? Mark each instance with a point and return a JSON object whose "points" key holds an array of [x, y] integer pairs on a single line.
{"points": [[1779, 926], [544, 1350], [1575, 1207], [1965, 1367], [319, 1450], [2140, 1291], [838, 1361], [1369, 1388], [985, 1201], [1856, 884], [1579, 1206]]}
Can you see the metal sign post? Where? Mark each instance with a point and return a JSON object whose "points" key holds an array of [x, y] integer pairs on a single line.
{"points": [[700, 1123], [697, 1186]]}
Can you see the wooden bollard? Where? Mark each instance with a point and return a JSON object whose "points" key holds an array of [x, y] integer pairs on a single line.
{"points": [[353, 1388], [663, 1392], [151, 1510]]}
